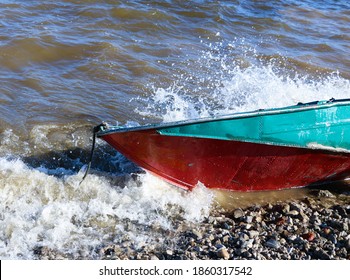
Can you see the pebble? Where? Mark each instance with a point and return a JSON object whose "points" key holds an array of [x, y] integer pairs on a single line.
{"points": [[154, 258], [238, 213], [197, 234], [312, 228], [325, 193], [281, 221], [243, 237], [304, 217], [322, 255], [253, 234], [309, 236], [272, 243], [247, 244], [286, 208], [293, 213], [169, 252], [249, 219], [222, 253], [333, 239], [347, 244]]}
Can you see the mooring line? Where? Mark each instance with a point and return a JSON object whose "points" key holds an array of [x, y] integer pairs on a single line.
{"points": [[95, 130]]}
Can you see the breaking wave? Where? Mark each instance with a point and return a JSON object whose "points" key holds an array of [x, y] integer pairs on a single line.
{"points": [[220, 83]]}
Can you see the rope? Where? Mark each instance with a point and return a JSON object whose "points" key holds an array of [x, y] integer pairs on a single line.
{"points": [[95, 130]]}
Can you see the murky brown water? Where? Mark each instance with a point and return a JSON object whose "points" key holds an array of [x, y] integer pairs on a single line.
{"points": [[65, 66], [339, 191]]}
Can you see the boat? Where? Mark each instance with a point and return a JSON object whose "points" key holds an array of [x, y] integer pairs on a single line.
{"points": [[270, 149]]}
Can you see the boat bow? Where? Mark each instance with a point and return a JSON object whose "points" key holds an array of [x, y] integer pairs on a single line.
{"points": [[260, 150]]}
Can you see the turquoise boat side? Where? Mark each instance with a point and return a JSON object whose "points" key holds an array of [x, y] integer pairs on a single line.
{"points": [[323, 125]]}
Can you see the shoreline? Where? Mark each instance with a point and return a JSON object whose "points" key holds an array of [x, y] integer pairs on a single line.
{"points": [[314, 227]]}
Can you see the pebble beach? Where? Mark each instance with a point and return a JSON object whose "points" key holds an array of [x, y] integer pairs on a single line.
{"points": [[313, 228]]}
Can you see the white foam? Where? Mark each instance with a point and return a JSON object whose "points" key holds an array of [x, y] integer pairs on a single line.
{"points": [[42, 210], [223, 85]]}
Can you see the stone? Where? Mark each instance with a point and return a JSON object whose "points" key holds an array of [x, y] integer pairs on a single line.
{"points": [[289, 221], [154, 258], [197, 234], [304, 217], [243, 237], [226, 238], [192, 242], [325, 193], [211, 237], [347, 244], [346, 226], [332, 238], [296, 206], [341, 210], [248, 243], [223, 253], [309, 236], [249, 219], [286, 208], [238, 213], [253, 233], [169, 252], [226, 226], [272, 243], [293, 213], [280, 221], [248, 226], [285, 234], [321, 254]]}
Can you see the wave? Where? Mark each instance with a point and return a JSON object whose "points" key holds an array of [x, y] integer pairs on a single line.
{"points": [[42, 210], [220, 83]]}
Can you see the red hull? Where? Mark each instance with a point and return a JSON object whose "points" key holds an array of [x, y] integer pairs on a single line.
{"points": [[232, 165]]}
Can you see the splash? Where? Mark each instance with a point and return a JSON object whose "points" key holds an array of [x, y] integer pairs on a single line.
{"points": [[41, 210], [235, 78]]}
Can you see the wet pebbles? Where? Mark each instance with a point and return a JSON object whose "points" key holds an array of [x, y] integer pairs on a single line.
{"points": [[315, 227]]}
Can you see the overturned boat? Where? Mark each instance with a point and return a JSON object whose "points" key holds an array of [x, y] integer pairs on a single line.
{"points": [[271, 149]]}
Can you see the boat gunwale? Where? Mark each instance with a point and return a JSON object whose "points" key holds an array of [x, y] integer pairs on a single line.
{"points": [[107, 129]]}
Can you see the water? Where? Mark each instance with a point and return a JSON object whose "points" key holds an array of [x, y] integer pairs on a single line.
{"points": [[66, 66]]}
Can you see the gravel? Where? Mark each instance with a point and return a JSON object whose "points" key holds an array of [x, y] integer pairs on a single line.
{"points": [[315, 227]]}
